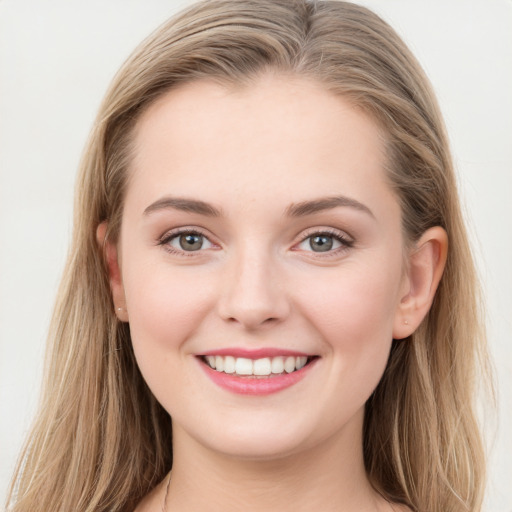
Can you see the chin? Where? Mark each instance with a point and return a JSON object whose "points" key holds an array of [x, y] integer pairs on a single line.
{"points": [[261, 438], [258, 448], [269, 438]]}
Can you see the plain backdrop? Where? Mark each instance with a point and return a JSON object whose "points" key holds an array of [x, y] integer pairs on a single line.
{"points": [[56, 59]]}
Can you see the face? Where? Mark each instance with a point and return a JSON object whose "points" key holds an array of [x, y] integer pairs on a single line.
{"points": [[260, 264]]}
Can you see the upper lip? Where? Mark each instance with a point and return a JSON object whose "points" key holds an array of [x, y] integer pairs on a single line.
{"points": [[258, 353]]}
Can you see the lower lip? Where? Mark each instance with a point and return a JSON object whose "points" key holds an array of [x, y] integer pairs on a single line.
{"points": [[256, 385]]}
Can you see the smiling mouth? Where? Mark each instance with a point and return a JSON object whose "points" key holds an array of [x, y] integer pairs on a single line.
{"points": [[257, 368]]}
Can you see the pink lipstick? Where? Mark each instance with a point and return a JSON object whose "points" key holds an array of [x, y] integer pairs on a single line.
{"points": [[256, 372]]}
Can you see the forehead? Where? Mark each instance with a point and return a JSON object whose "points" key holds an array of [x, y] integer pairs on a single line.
{"points": [[277, 134]]}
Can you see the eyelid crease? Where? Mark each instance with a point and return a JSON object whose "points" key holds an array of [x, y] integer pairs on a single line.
{"points": [[171, 233], [335, 233]]}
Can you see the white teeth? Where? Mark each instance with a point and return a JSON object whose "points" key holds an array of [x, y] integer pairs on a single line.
{"points": [[262, 366], [300, 362], [289, 364], [229, 364], [277, 365], [243, 366], [259, 367]]}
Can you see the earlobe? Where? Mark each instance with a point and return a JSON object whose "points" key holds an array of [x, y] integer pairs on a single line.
{"points": [[426, 264], [110, 254]]}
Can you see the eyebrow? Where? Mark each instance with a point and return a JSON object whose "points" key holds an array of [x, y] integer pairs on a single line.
{"points": [[301, 209], [184, 205], [325, 203]]}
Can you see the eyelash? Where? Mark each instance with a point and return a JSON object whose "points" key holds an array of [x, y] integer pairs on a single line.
{"points": [[346, 243], [165, 240]]}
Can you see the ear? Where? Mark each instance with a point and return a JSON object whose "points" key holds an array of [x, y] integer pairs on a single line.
{"points": [[426, 264], [114, 272]]}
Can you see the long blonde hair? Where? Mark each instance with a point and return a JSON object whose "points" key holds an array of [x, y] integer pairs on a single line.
{"points": [[101, 441]]}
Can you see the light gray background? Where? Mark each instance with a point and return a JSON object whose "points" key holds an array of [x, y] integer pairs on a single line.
{"points": [[56, 59]]}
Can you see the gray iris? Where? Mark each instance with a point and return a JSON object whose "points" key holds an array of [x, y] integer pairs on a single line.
{"points": [[191, 242], [321, 243]]}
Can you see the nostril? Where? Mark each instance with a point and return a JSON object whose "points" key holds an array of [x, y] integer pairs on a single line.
{"points": [[253, 306], [253, 322]]}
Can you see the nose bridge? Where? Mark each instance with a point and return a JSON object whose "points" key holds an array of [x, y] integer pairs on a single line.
{"points": [[253, 294]]}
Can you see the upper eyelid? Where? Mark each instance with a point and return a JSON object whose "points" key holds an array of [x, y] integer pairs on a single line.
{"points": [[339, 233], [304, 235], [344, 239], [171, 233]]}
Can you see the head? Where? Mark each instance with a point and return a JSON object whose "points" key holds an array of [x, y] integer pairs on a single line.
{"points": [[347, 52]]}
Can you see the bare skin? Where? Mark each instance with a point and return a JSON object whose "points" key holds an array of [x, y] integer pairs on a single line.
{"points": [[256, 486], [266, 272]]}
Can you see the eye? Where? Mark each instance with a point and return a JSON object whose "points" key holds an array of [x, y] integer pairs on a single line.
{"points": [[324, 242], [186, 241]]}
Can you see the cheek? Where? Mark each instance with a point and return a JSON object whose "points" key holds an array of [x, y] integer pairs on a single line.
{"points": [[354, 313], [165, 309]]}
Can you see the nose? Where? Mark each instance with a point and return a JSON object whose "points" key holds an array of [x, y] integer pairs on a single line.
{"points": [[253, 292]]}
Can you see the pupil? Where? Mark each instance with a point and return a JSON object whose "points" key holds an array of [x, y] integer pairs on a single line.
{"points": [[321, 243], [191, 242]]}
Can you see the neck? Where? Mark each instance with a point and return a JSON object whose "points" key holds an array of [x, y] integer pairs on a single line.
{"points": [[328, 477]]}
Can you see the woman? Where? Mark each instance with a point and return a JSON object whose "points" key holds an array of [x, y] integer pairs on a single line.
{"points": [[269, 250]]}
